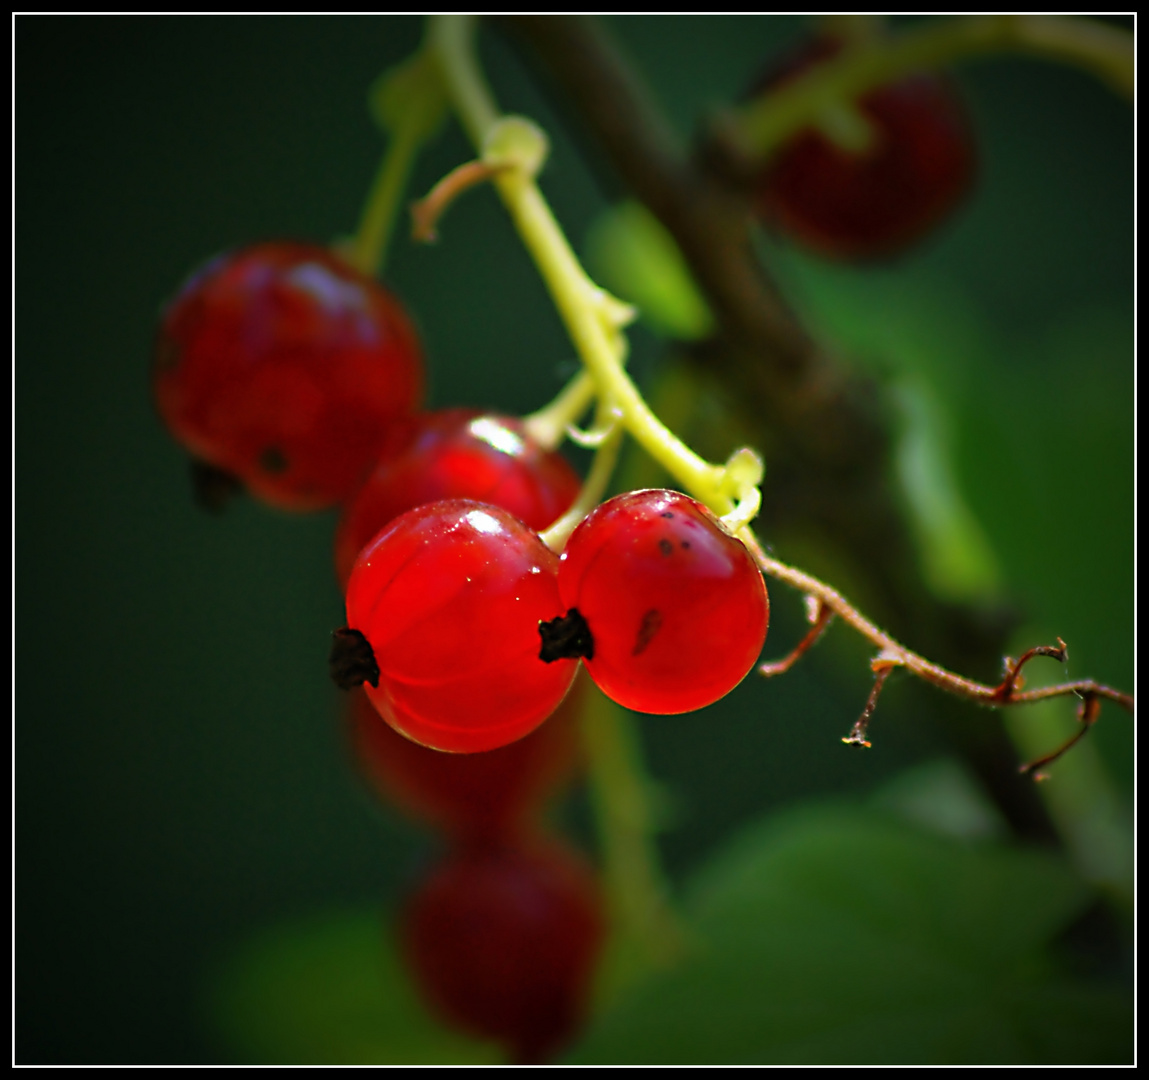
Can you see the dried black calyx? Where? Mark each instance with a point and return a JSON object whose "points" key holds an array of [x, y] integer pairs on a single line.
{"points": [[352, 661], [213, 487], [566, 638]]}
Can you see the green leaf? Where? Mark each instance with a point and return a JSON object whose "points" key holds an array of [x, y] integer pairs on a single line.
{"points": [[330, 990], [837, 935], [630, 252]]}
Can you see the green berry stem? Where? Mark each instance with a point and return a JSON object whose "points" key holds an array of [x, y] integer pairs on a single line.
{"points": [[408, 104], [642, 146], [594, 319], [367, 249], [766, 123], [549, 425], [555, 536]]}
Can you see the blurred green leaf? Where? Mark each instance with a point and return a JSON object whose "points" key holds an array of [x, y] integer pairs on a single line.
{"points": [[629, 252], [837, 935], [330, 990], [943, 797], [957, 560]]}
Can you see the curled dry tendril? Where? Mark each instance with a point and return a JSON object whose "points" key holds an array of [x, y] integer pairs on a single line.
{"points": [[823, 603]]}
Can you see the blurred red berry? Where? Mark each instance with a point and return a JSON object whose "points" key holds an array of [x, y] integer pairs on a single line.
{"points": [[875, 202], [503, 940], [471, 796], [281, 366]]}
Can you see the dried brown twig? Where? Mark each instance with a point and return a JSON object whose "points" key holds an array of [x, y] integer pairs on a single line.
{"points": [[824, 602]]}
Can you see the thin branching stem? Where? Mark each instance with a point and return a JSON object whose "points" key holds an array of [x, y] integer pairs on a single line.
{"points": [[893, 654]]}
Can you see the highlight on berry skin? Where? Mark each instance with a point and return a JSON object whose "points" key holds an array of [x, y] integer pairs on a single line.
{"points": [[283, 368]]}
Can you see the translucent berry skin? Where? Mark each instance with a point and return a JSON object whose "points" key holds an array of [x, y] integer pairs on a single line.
{"points": [[503, 940], [676, 606], [473, 797], [875, 203], [449, 596], [281, 365], [458, 454]]}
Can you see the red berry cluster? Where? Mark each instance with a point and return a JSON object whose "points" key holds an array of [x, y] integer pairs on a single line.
{"points": [[283, 371], [298, 378], [467, 628], [875, 201], [282, 367]]}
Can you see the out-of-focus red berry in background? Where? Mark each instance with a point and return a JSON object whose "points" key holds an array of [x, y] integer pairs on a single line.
{"points": [[503, 939], [874, 202], [283, 366], [472, 796]]}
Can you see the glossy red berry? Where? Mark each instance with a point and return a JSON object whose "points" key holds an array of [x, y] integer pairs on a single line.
{"points": [[877, 201], [675, 607], [446, 602], [503, 940], [283, 367], [471, 796], [459, 454]]}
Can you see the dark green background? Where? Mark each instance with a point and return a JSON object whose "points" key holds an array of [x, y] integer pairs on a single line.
{"points": [[180, 779]]}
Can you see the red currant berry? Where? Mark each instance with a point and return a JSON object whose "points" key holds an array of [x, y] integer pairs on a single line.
{"points": [[443, 608], [285, 368], [504, 941], [459, 454], [472, 796], [877, 201], [671, 608]]}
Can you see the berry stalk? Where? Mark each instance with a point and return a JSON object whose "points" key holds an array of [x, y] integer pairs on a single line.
{"points": [[409, 105], [593, 318]]}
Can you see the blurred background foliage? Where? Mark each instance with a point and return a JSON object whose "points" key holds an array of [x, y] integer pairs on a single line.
{"points": [[181, 783]]}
